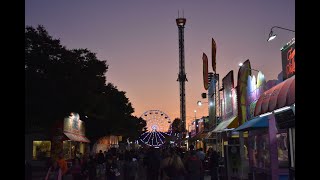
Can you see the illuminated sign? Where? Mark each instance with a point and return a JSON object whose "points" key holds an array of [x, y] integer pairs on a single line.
{"points": [[73, 124], [228, 95], [200, 125], [288, 59], [255, 89], [211, 99], [242, 83], [192, 129]]}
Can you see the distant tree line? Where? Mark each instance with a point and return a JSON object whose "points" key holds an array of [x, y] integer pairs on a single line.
{"points": [[60, 80]]}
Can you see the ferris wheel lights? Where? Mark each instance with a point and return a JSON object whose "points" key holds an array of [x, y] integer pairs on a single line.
{"points": [[159, 127]]}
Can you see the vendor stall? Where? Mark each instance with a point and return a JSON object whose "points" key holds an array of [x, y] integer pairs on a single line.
{"points": [[268, 141], [69, 137]]}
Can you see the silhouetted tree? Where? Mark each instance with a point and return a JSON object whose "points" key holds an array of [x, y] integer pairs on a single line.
{"points": [[176, 125], [59, 81]]}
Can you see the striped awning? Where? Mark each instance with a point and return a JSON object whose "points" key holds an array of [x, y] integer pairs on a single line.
{"points": [[77, 137], [279, 96], [227, 124]]}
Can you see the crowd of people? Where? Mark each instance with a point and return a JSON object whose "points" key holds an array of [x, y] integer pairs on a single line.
{"points": [[171, 163]]}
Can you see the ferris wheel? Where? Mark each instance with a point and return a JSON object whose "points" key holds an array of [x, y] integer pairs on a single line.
{"points": [[158, 127]]}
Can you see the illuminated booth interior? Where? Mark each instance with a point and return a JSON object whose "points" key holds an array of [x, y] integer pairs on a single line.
{"points": [[69, 138], [41, 150]]}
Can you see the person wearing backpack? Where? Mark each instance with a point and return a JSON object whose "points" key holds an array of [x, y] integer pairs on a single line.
{"points": [[193, 167]]}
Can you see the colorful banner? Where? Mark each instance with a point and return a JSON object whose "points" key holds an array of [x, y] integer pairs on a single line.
{"points": [[228, 85], [288, 60], [254, 89], [205, 71], [212, 99], [213, 53], [243, 73]]}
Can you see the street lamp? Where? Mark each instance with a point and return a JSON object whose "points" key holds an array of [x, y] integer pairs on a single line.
{"points": [[272, 35], [241, 65], [200, 103]]}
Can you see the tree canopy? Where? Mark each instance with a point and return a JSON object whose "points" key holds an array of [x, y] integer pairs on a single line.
{"points": [[177, 126], [59, 81]]}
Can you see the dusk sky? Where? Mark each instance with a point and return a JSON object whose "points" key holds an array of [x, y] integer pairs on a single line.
{"points": [[139, 41]]}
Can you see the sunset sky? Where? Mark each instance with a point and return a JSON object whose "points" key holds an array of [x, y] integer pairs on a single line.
{"points": [[139, 40]]}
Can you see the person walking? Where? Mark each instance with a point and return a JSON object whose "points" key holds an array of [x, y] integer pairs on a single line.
{"points": [[27, 170], [193, 166], [112, 169], [100, 164], [172, 167], [188, 154], [54, 172], [130, 166], [92, 168], [201, 155], [76, 169], [214, 165], [62, 163], [153, 164]]}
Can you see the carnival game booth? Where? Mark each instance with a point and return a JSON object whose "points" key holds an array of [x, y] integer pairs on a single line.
{"points": [[228, 143], [69, 138], [230, 151], [200, 134], [268, 139], [106, 143]]}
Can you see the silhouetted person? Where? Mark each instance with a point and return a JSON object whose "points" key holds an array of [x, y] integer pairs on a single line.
{"points": [[193, 166], [130, 166], [75, 170], [100, 159], [172, 166], [214, 165], [54, 172], [112, 169], [92, 172], [153, 164], [62, 163], [27, 171]]}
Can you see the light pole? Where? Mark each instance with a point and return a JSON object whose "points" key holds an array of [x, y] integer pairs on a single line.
{"points": [[289, 130], [272, 35], [199, 103]]}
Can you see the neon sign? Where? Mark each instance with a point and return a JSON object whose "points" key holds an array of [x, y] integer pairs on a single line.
{"points": [[288, 60]]}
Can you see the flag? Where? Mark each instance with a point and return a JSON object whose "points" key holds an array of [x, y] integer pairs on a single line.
{"points": [[213, 53], [205, 71]]}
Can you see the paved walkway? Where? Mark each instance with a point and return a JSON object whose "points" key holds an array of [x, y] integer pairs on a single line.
{"points": [[39, 173]]}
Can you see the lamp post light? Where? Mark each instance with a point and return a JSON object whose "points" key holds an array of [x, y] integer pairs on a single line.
{"points": [[289, 130], [273, 36], [199, 103]]}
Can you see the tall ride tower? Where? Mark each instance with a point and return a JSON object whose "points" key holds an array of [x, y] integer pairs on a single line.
{"points": [[182, 78]]}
